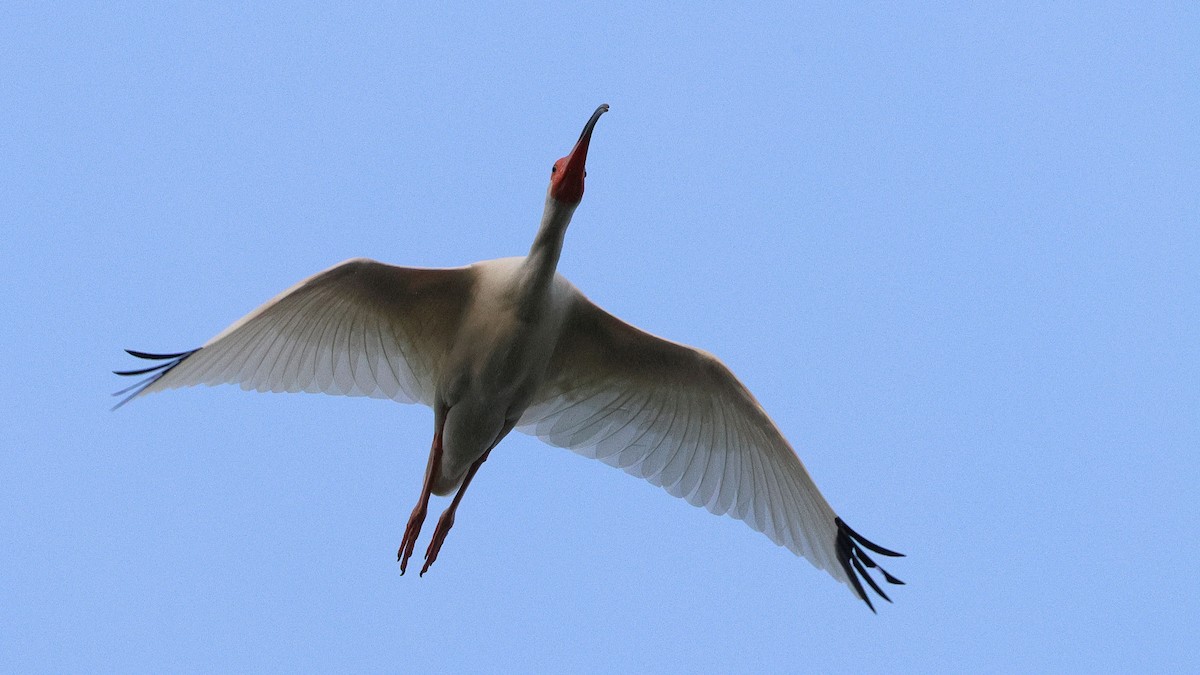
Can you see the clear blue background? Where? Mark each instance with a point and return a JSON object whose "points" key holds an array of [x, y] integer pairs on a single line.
{"points": [[955, 253]]}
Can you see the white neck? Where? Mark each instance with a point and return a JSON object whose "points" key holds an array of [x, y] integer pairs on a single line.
{"points": [[542, 261]]}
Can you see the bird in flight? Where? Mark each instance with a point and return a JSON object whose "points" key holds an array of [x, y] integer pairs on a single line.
{"points": [[511, 344]]}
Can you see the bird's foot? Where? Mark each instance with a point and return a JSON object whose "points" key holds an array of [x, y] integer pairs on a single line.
{"points": [[439, 535], [411, 532]]}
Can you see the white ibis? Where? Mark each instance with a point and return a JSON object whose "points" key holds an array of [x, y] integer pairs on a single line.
{"points": [[510, 343]]}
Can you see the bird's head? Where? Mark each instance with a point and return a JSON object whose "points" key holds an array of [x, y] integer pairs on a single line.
{"points": [[566, 176]]}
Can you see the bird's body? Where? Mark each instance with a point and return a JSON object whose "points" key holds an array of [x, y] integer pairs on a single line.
{"points": [[498, 360], [510, 343]]}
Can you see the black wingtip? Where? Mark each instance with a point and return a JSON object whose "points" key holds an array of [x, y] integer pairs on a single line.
{"points": [[141, 371], [159, 357], [862, 556], [842, 526], [171, 360], [855, 562]]}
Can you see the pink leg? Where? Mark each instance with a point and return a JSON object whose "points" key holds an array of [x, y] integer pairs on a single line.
{"points": [[447, 520], [421, 509]]}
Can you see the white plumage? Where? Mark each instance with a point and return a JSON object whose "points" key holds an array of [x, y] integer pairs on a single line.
{"points": [[510, 343]]}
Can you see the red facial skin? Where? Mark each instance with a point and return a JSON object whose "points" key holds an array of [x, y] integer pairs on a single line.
{"points": [[566, 178]]}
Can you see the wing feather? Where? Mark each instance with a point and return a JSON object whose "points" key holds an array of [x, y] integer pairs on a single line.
{"points": [[716, 484], [360, 328], [677, 417]]}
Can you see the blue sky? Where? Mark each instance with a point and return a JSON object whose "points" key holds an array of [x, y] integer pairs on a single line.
{"points": [[954, 253]]}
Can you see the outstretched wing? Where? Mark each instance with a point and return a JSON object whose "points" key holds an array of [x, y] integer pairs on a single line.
{"points": [[677, 417], [360, 328]]}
